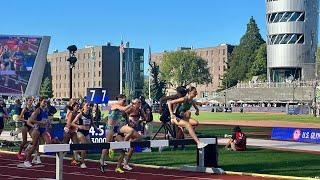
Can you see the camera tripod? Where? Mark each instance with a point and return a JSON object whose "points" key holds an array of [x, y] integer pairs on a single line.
{"points": [[168, 130]]}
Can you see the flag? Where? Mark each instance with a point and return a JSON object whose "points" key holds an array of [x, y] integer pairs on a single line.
{"points": [[149, 55], [121, 47]]}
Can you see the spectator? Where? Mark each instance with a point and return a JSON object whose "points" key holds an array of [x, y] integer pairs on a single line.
{"points": [[148, 127], [97, 114], [238, 140], [3, 114]]}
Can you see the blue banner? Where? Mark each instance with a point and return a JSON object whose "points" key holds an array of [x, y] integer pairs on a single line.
{"points": [[307, 135], [97, 95], [95, 135]]}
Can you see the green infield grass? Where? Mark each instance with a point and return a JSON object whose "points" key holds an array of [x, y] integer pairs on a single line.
{"points": [[254, 160]]}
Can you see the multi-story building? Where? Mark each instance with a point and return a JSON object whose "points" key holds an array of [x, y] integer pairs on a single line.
{"points": [[292, 33], [217, 59], [98, 67]]}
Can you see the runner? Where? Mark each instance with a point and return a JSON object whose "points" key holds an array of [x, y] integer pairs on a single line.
{"points": [[38, 121], [134, 113], [116, 124], [3, 114], [83, 121], [25, 129], [165, 114], [70, 132], [182, 116]]}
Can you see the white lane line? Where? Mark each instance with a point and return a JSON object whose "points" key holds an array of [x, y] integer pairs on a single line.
{"points": [[127, 172], [53, 172], [15, 177]]}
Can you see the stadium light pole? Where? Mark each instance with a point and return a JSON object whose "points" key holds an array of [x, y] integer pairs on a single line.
{"points": [[72, 60]]}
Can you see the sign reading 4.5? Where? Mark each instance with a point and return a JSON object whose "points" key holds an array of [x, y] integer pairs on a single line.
{"points": [[97, 95]]}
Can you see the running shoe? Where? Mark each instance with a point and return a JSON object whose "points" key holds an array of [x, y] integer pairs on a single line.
{"points": [[83, 165], [36, 160], [102, 168], [111, 153], [201, 145], [27, 164], [119, 170], [74, 163], [20, 156], [127, 167]]}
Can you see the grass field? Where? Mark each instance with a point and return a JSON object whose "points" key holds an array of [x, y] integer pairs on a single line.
{"points": [[220, 131], [221, 116], [254, 160], [213, 116]]}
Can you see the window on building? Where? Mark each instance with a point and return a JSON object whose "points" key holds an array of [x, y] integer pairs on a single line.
{"points": [[99, 64], [84, 56], [78, 84], [286, 39], [99, 74], [99, 83], [99, 53], [285, 17], [88, 74], [224, 52], [84, 75]]}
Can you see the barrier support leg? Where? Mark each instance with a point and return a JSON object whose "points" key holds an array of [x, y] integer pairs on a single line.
{"points": [[59, 165], [207, 158]]}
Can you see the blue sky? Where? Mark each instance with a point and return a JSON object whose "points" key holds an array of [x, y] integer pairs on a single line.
{"points": [[164, 24]]}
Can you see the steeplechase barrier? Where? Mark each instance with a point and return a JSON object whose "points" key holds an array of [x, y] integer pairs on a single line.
{"points": [[207, 157]]}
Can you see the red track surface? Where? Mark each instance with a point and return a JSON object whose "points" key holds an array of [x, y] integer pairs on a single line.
{"points": [[9, 170]]}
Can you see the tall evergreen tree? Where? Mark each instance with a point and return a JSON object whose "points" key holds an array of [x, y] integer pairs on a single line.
{"points": [[243, 55], [46, 85], [46, 88], [259, 66], [158, 86]]}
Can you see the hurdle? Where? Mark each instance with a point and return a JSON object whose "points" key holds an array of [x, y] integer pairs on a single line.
{"points": [[207, 157]]}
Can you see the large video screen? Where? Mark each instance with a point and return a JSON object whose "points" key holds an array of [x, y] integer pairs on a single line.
{"points": [[17, 57]]}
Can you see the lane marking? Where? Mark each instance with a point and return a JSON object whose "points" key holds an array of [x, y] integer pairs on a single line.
{"points": [[132, 172]]}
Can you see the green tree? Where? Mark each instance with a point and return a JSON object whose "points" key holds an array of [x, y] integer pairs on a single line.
{"points": [[182, 68], [46, 88], [127, 92], [145, 91], [259, 66], [158, 85], [243, 56], [318, 61], [46, 84]]}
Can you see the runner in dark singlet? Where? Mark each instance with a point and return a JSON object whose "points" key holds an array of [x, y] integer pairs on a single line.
{"points": [[3, 114], [83, 122], [70, 132], [182, 118], [134, 113], [25, 129], [38, 121]]}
